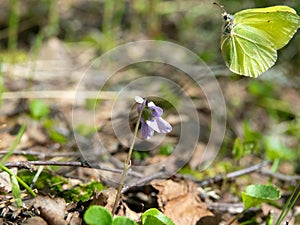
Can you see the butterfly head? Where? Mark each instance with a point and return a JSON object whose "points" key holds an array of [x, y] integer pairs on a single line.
{"points": [[227, 17], [228, 26]]}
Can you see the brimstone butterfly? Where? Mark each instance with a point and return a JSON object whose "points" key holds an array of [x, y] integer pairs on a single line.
{"points": [[251, 37]]}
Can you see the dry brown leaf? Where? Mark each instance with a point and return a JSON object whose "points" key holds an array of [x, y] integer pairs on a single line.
{"points": [[51, 217], [6, 140], [34, 221], [131, 214], [105, 198], [5, 184], [52, 210], [74, 219], [178, 199]]}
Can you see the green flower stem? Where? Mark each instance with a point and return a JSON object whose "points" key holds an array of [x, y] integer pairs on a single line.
{"points": [[13, 25], [14, 145], [127, 162], [4, 168], [8, 155], [26, 186], [289, 205]]}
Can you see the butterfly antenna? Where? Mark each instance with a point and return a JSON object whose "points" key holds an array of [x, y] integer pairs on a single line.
{"points": [[221, 6]]}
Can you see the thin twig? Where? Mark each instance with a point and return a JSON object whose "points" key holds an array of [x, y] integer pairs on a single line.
{"points": [[43, 154], [163, 174], [280, 176], [233, 208], [145, 180], [232, 175], [30, 164], [36, 176]]}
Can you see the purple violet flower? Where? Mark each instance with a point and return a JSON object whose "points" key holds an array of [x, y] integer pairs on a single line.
{"points": [[151, 118]]}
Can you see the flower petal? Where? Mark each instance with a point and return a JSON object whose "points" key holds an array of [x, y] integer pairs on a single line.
{"points": [[139, 99], [147, 131], [153, 124], [159, 125], [163, 125], [156, 110]]}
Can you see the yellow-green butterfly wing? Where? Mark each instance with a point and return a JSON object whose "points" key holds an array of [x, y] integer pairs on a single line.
{"points": [[252, 37], [247, 52], [279, 22]]}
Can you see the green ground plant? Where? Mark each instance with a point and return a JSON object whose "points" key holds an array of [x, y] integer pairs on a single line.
{"points": [[14, 179], [98, 215]]}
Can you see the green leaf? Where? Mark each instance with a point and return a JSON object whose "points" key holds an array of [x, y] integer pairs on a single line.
{"points": [[250, 135], [155, 217], [166, 149], [97, 215], [238, 150], [275, 149], [14, 178], [257, 193], [242, 148], [122, 220], [16, 190], [139, 155], [38, 109], [57, 137], [51, 127], [85, 130]]}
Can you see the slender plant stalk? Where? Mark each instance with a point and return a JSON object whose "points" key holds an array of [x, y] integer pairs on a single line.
{"points": [[154, 22], [127, 163], [112, 16], [4, 168], [53, 18], [15, 186], [13, 25], [35, 51], [275, 165], [108, 16], [14, 145], [288, 205]]}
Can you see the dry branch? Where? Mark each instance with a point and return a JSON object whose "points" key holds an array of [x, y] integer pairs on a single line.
{"points": [[31, 164]]}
